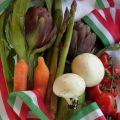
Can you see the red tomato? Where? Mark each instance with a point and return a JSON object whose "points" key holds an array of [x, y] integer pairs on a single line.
{"points": [[117, 70], [106, 102], [116, 82], [114, 114], [105, 60], [106, 82], [93, 92], [114, 92], [118, 117]]}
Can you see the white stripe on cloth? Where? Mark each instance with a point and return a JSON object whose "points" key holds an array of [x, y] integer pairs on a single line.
{"points": [[113, 13], [17, 105], [32, 96], [115, 57], [117, 3], [101, 28], [84, 7], [93, 115], [118, 103], [3, 113], [102, 13], [105, 3]]}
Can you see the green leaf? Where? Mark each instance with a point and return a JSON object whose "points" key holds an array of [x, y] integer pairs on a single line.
{"points": [[11, 61], [16, 27], [49, 4], [6, 26], [37, 3], [3, 54]]}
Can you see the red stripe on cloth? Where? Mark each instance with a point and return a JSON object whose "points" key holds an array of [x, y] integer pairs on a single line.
{"points": [[113, 24], [32, 119], [42, 105], [24, 111], [110, 27], [111, 3], [101, 118], [4, 93], [117, 19], [108, 15]]}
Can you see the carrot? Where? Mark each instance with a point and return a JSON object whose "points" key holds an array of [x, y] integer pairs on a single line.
{"points": [[20, 76], [41, 76]]}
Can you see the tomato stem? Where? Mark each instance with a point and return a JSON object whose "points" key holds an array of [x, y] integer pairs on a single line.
{"points": [[112, 76]]}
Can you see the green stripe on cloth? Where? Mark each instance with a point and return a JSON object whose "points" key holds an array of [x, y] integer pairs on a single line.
{"points": [[27, 100], [96, 30], [5, 4], [0, 118], [100, 4], [12, 100], [85, 111]]}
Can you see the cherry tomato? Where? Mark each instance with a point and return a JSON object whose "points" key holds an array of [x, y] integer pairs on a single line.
{"points": [[106, 82], [116, 82], [117, 70], [114, 114], [93, 92], [106, 102], [105, 60], [114, 92]]}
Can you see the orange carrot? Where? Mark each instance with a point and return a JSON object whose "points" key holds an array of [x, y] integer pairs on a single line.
{"points": [[20, 76], [41, 76]]}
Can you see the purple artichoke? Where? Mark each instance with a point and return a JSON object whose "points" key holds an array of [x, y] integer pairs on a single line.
{"points": [[39, 18], [83, 40]]}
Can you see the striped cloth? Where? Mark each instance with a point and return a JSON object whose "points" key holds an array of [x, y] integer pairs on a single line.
{"points": [[6, 113], [91, 112], [105, 3], [21, 102], [4, 4], [105, 23]]}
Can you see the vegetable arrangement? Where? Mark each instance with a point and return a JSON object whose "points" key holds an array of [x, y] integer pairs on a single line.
{"points": [[63, 60]]}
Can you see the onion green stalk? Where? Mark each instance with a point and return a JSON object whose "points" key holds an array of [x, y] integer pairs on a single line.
{"points": [[57, 68], [65, 49]]}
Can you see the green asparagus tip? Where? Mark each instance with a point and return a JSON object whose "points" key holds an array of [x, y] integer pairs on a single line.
{"points": [[73, 6], [66, 15]]}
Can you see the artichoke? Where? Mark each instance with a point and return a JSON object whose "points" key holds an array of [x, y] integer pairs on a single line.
{"points": [[39, 23], [83, 40]]}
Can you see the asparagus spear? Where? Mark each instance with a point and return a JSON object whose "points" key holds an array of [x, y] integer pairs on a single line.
{"points": [[54, 60], [57, 13], [65, 49]]}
